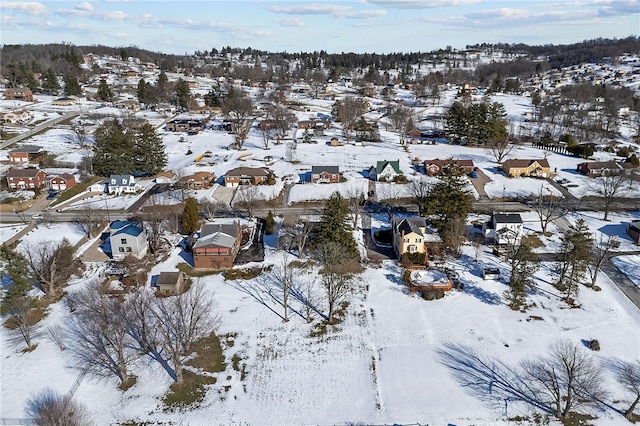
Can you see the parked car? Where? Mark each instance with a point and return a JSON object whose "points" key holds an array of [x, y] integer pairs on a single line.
{"points": [[473, 174]]}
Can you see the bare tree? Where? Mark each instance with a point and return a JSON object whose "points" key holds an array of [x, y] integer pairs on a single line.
{"points": [[290, 153], [90, 219], [303, 229], [599, 253], [51, 264], [49, 408], [267, 131], [246, 198], [182, 320], [566, 379], [336, 274], [283, 275], [419, 190], [349, 112], [547, 207], [57, 336], [500, 147], [21, 319], [628, 375], [355, 198], [402, 119], [238, 110], [610, 187], [282, 118], [80, 132], [98, 329]]}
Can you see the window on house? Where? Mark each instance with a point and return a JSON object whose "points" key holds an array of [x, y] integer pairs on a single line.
{"points": [[123, 241], [128, 249], [412, 248], [418, 240], [407, 240], [121, 249]]}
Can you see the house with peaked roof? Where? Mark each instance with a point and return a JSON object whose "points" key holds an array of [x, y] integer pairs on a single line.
{"points": [[19, 94], [325, 174], [26, 153], [385, 170], [122, 184], [25, 178], [16, 116], [246, 176], [171, 282], [127, 238], [61, 182], [217, 246], [527, 167], [599, 168], [436, 166], [410, 235], [503, 228]]}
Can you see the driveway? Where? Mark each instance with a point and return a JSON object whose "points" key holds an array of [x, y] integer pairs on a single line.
{"points": [[479, 183], [223, 194]]}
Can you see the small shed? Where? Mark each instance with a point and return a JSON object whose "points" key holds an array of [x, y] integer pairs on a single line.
{"points": [[170, 282], [490, 273]]}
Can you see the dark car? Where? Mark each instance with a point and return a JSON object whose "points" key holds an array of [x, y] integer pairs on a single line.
{"points": [[473, 174], [52, 195]]}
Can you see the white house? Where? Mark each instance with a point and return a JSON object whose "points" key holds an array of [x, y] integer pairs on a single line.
{"points": [[127, 238], [503, 228], [119, 184]]}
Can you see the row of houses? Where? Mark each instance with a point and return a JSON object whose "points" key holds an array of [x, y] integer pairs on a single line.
{"points": [[32, 178]]}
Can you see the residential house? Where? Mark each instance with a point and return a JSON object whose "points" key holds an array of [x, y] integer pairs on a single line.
{"points": [[26, 153], [436, 166], [527, 167], [100, 186], [171, 282], [185, 125], [599, 168], [128, 104], [25, 178], [385, 170], [246, 176], [165, 177], [205, 110], [410, 235], [134, 123], [19, 94], [198, 180], [218, 245], [19, 116], [65, 101], [633, 230], [61, 182], [325, 174], [119, 184], [127, 238], [503, 228]]}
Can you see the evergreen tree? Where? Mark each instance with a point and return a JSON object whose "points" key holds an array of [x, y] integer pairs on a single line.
{"points": [[213, 99], [113, 151], [190, 217], [573, 258], [448, 198], [162, 80], [149, 154], [334, 227], [50, 82], [142, 90], [71, 86], [183, 93], [16, 269], [524, 262], [104, 91], [270, 223]]}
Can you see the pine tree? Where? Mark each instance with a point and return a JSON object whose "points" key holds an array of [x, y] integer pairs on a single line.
{"points": [[449, 198], [334, 227], [183, 93], [112, 150], [141, 91], [104, 91], [16, 269], [190, 217], [270, 223], [71, 86], [149, 154], [573, 259], [50, 82], [524, 262]]}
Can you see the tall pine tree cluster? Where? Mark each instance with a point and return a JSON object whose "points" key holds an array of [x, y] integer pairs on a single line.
{"points": [[117, 151]]}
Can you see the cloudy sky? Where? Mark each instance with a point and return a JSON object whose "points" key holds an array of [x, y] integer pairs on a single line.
{"points": [[380, 26]]}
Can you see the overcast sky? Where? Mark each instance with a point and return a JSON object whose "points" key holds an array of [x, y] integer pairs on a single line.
{"points": [[380, 26]]}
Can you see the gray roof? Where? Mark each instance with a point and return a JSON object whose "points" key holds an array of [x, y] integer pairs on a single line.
{"points": [[212, 227], [219, 239], [507, 218], [316, 170], [30, 149], [168, 278]]}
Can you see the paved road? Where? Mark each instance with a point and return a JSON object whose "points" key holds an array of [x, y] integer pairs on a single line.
{"points": [[38, 128]]}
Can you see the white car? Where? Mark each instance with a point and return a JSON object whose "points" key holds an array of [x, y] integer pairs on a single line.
{"points": [[37, 216]]}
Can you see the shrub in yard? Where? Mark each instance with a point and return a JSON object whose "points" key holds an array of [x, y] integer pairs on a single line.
{"points": [[432, 293], [594, 345]]}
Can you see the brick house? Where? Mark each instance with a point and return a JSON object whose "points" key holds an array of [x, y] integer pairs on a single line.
{"points": [[26, 153], [198, 180], [325, 174], [527, 167], [61, 182], [435, 167], [25, 178], [246, 176], [217, 245]]}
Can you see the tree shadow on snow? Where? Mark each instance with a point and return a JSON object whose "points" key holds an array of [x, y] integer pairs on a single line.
{"points": [[488, 297], [490, 380]]}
